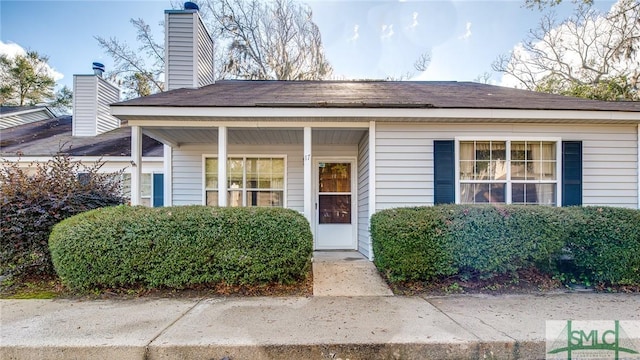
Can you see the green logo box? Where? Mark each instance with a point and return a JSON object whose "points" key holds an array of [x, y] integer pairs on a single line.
{"points": [[592, 339]]}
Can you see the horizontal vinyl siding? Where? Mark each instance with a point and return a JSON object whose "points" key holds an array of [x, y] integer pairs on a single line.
{"points": [[107, 95], [363, 196], [205, 56], [11, 121], [404, 158], [84, 105], [180, 50]]}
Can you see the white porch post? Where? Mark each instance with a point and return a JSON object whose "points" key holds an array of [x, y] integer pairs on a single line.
{"points": [[168, 178], [638, 179], [372, 178], [308, 193], [222, 166], [136, 164]]}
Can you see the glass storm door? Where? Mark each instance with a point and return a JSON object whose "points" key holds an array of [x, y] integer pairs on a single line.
{"points": [[335, 216]]}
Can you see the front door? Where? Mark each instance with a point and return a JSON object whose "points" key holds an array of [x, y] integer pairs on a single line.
{"points": [[335, 205]]}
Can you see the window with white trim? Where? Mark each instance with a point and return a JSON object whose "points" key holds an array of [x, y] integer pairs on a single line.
{"points": [[251, 181], [513, 172], [145, 188]]}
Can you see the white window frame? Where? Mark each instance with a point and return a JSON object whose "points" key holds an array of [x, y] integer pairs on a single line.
{"points": [[508, 140], [150, 197], [244, 175]]}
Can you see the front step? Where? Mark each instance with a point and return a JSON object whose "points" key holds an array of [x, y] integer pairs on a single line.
{"points": [[346, 273]]}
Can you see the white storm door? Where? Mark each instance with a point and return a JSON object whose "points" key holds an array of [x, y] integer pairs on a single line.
{"points": [[335, 205]]}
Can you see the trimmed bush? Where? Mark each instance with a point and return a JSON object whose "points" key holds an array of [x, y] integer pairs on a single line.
{"points": [[181, 246], [35, 198], [412, 243], [424, 243], [605, 245]]}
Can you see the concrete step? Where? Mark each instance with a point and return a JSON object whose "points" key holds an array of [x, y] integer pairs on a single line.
{"points": [[346, 273]]}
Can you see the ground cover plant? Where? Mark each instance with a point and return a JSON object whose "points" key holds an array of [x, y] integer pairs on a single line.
{"points": [[507, 247], [178, 247], [34, 198]]}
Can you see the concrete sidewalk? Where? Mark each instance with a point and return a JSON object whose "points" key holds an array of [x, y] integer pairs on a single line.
{"points": [[384, 327]]}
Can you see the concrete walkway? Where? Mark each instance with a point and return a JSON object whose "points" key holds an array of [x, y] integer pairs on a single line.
{"points": [[319, 327], [346, 273]]}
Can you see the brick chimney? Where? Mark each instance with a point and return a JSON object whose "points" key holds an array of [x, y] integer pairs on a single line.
{"points": [[188, 49]]}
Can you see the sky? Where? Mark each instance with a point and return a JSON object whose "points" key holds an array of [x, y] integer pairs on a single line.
{"points": [[362, 39]]}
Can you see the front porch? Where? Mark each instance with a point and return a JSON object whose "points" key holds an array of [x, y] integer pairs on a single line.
{"points": [[321, 169]]}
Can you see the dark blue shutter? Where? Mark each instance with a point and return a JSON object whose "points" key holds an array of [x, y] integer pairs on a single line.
{"points": [[571, 173], [444, 179], [158, 190]]}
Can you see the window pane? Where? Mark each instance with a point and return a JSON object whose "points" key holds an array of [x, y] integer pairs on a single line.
{"points": [[126, 186], [482, 170], [517, 170], [235, 172], [467, 192], [498, 150], [265, 198], [518, 151], [145, 185], [467, 150], [466, 170], [498, 170], [483, 150], [335, 177], [212, 198], [211, 173], [234, 198], [334, 209]]}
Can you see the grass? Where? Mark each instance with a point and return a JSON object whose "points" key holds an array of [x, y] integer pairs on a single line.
{"points": [[50, 287]]}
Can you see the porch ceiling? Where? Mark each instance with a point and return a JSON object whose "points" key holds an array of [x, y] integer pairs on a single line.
{"points": [[181, 136]]}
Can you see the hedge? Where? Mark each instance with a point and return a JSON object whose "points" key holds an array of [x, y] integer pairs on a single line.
{"points": [[425, 243], [605, 245], [181, 246]]}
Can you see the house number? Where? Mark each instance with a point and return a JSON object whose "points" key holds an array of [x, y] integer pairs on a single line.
{"points": [[307, 157]]}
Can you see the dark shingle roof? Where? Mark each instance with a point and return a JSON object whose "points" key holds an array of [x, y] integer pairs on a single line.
{"points": [[45, 137], [6, 110], [370, 94]]}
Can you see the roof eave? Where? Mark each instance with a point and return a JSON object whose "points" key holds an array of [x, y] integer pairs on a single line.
{"points": [[138, 115]]}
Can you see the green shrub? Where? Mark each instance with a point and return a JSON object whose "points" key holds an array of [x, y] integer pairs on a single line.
{"points": [[428, 242], [605, 245], [181, 246], [35, 198], [411, 243], [488, 240]]}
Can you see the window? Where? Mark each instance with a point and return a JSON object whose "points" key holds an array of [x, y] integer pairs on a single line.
{"points": [[514, 172], [145, 188], [251, 181]]}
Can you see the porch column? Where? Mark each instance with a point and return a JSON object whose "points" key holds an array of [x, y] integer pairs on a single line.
{"points": [[136, 164], [168, 178], [308, 173], [222, 166], [372, 178], [638, 179]]}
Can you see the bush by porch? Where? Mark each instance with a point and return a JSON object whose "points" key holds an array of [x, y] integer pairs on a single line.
{"points": [[181, 246]]}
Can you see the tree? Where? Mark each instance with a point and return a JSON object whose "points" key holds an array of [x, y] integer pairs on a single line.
{"points": [[63, 100], [591, 54], [254, 40], [268, 40], [25, 79], [138, 71], [541, 4]]}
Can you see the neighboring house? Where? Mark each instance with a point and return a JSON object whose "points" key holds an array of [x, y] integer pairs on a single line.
{"points": [[90, 135], [18, 115], [338, 151]]}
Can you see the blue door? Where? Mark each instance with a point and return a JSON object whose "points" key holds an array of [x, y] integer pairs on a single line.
{"points": [[158, 190]]}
